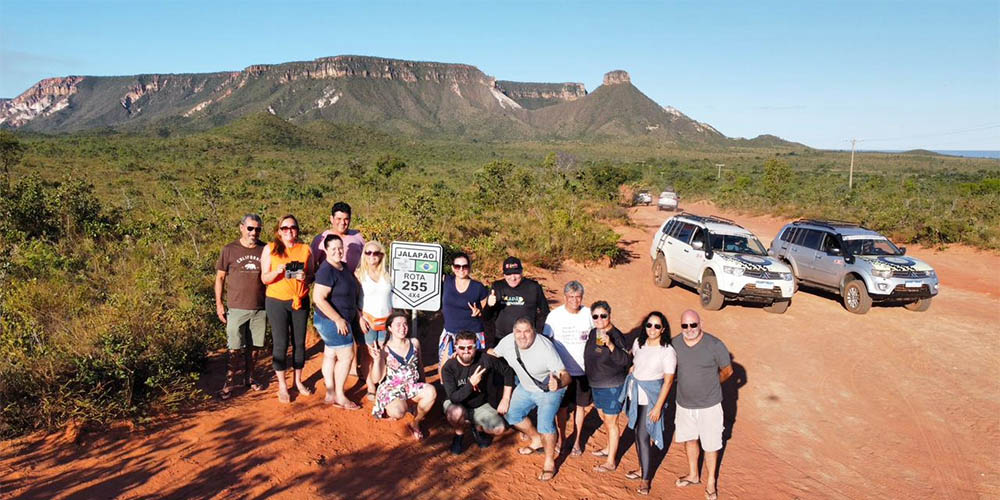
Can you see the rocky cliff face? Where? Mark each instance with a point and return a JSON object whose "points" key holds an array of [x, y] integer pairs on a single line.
{"points": [[44, 98], [616, 77], [532, 95]]}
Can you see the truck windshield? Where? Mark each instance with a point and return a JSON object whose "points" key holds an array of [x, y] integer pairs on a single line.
{"points": [[737, 244], [871, 246]]}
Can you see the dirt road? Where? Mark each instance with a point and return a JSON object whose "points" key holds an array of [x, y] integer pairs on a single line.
{"points": [[892, 404]]}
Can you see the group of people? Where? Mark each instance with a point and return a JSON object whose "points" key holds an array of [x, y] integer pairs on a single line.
{"points": [[554, 364]]}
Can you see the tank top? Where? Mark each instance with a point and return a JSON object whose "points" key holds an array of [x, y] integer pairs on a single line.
{"points": [[284, 288], [377, 296]]}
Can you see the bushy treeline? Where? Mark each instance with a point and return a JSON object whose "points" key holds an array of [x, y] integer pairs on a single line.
{"points": [[108, 244]]}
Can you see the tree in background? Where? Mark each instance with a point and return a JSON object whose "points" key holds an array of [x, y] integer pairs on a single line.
{"points": [[11, 152]]}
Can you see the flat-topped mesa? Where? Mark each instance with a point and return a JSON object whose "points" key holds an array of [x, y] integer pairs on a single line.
{"points": [[382, 69], [617, 76], [43, 98]]}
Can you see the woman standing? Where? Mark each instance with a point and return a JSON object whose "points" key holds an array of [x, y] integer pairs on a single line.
{"points": [[400, 373], [285, 270], [462, 303], [376, 297], [606, 361], [654, 364], [336, 297]]}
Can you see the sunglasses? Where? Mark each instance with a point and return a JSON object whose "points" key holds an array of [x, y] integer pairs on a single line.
{"points": [[465, 347], [289, 228], [655, 326], [461, 266], [372, 252], [252, 229], [689, 325], [600, 316]]}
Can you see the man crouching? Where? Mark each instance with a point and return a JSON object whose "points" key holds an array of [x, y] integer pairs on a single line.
{"points": [[467, 378]]}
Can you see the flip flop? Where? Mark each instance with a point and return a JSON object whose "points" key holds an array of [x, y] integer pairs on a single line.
{"points": [[642, 489], [575, 452], [350, 405], [256, 386], [633, 475], [415, 432], [683, 481], [603, 468], [599, 453], [546, 475], [370, 396], [712, 496], [527, 450], [225, 393]]}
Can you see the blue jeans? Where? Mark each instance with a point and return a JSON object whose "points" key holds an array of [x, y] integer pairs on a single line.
{"points": [[523, 401]]}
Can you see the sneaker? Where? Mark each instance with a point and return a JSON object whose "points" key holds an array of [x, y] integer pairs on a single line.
{"points": [[456, 445], [480, 438]]}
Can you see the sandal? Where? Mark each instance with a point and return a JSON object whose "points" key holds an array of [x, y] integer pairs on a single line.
{"points": [[599, 453], [633, 475], [546, 475], [225, 393], [527, 450], [713, 495], [415, 432], [643, 489], [370, 396], [603, 468], [575, 452], [684, 481], [349, 405]]}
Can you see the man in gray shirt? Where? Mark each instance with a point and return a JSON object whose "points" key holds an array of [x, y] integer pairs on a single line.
{"points": [[703, 363], [541, 382]]}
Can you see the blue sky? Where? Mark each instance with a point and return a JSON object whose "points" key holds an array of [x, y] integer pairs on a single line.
{"points": [[898, 74]]}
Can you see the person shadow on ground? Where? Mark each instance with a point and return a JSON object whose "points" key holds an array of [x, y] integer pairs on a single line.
{"points": [[730, 403]]}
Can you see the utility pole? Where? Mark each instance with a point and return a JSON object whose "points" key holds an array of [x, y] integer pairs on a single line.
{"points": [[720, 165], [850, 176]]}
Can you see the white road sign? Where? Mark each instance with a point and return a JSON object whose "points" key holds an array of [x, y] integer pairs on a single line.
{"points": [[416, 275]]}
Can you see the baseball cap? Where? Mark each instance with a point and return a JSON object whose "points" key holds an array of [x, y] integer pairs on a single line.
{"points": [[512, 265]]}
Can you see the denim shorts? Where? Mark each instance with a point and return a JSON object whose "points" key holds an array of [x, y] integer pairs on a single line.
{"points": [[373, 336], [606, 399], [327, 330], [523, 401]]}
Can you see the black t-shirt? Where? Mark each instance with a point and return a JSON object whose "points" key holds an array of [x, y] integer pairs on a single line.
{"points": [[527, 299], [455, 376], [604, 368]]}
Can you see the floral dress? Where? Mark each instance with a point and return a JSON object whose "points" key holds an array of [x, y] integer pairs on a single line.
{"points": [[401, 380]]}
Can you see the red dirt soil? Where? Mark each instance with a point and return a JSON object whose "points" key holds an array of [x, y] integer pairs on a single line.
{"points": [[892, 404]]}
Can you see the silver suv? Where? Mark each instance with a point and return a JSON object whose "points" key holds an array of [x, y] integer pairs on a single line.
{"points": [[722, 260], [857, 263]]}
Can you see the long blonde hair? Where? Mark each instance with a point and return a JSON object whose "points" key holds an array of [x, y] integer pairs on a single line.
{"points": [[376, 273]]}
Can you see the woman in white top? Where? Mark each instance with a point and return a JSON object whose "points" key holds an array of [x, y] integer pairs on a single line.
{"points": [[376, 303], [654, 362]]}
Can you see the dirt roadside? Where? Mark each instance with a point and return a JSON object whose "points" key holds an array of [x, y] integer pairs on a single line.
{"points": [[893, 404]]}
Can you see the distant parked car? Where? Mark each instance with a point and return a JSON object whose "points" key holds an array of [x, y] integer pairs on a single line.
{"points": [[643, 198], [856, 263], [668, 200]]}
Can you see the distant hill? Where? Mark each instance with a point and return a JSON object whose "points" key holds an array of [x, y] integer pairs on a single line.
{"points": [[391, 95]]}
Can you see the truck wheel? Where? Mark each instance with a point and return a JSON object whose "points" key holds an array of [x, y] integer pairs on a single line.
{"points": [[660, 276], [711, 297], [778, 306], [920, 305], [856, 299]]}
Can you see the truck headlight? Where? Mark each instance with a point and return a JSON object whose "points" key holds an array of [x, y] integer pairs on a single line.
{"points": [[880, 273], [734, 270], [785, 276]]}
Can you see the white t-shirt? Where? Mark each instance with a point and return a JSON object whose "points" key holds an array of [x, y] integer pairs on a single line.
{"points": [[652, 363], [569, 333], [376, 296]]}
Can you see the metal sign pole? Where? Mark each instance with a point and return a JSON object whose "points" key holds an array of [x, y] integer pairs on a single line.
{"points": [[413, 318]]}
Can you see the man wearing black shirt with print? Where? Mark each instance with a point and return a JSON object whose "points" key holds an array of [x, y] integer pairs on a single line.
{"points": [[467, 385], [514, 297]]}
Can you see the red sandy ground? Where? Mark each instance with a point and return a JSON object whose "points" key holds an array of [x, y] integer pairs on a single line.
{"points": [[893, 404]]}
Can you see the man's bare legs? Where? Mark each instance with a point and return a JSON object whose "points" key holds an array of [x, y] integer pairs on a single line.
{"points": [[546, 441]]}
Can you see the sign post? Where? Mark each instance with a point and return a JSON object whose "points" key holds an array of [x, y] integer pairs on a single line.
{"points": [[416, 277]]}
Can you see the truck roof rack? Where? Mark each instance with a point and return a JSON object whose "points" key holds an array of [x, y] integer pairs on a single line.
{"points": [[830, 223], [710, 218]]}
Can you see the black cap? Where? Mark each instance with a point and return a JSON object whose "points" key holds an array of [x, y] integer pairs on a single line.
{"points": [[512, 265]]}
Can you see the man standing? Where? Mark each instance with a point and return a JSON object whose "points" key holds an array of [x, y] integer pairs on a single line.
{"points": [[238, 269], [703, 363], [569, 327], [541, 382], [514, 297], [467, 392], [340, 224]]}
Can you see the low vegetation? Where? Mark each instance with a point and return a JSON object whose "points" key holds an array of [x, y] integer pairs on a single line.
{"points": [[108, 241]]}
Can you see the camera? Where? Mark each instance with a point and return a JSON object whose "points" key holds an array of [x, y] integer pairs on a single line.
{"points": [[295, 270]]}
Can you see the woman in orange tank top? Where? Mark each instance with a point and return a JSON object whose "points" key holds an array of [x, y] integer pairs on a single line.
{"points": [[285, 270]]}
